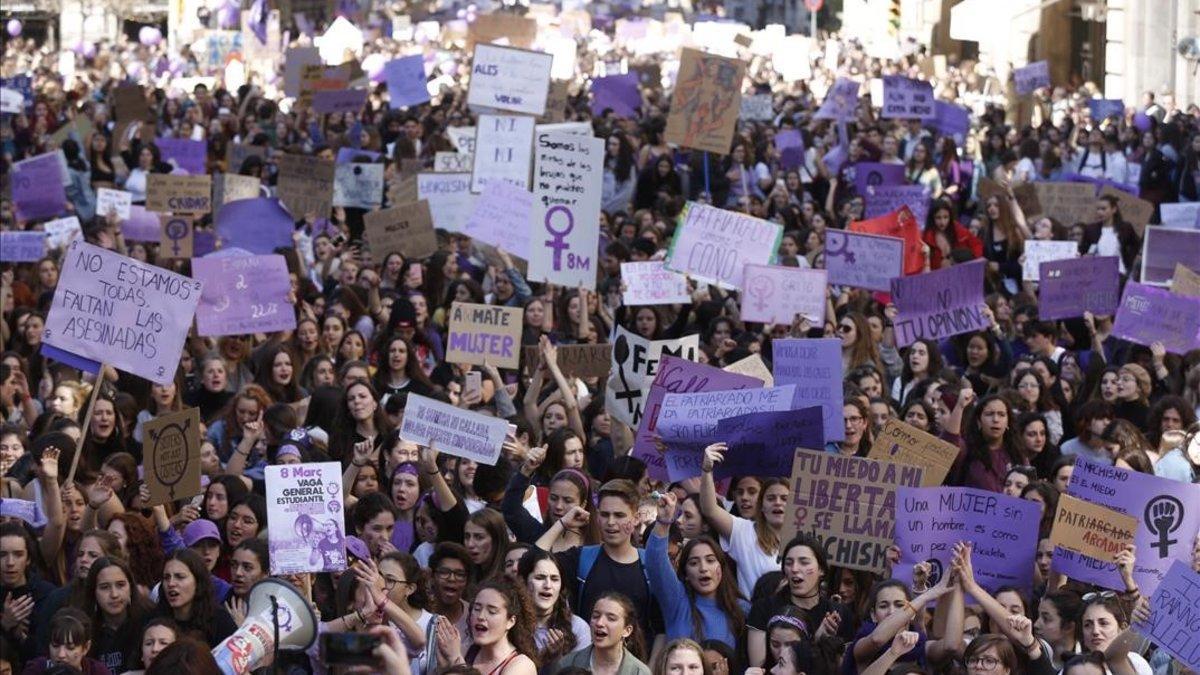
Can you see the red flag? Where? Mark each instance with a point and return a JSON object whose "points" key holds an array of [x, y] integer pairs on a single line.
{"points": [[902, 225]]}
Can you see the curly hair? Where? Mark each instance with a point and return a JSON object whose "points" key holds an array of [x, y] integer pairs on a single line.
{"points": [[520, 607], [142, 547], [560, 614]]}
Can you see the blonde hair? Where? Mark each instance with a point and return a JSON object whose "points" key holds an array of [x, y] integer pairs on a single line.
{"points": [[79, 391]]}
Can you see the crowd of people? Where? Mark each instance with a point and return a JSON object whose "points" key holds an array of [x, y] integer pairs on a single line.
{"points": [[565, 557]]}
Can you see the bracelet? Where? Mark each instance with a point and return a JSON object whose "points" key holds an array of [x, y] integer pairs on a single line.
{"points": [[909, 606], [668, 523], [432, 473], [1030, 646]]}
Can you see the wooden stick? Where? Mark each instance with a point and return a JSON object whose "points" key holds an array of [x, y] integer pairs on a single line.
{"points": [[87, 422]]}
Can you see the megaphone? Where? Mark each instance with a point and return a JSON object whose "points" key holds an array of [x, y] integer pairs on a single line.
{"points": [[273, 605]]}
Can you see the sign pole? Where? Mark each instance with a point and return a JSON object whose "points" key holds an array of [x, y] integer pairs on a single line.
{"points": [[87, 422]]}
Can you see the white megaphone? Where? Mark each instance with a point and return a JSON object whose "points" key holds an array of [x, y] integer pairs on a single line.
{"points": [[273, 605]]}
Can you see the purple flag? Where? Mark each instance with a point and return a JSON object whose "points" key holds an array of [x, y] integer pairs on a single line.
{"points": [[1072, 286], [258, 225], [1148, 314], [841, 101], [258, 20], [790, 145], [184, 153], [953, 121], [939, 304], [619, 92], [868, 174], [37, 187], [406, 81], [243, 294], [815, 367]]}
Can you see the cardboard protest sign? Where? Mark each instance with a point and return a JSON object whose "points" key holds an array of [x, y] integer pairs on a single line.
{"points": [[306, 518], [931, 520], [760, 444], [1032, 77], [406, 228], [1164, 248], [651, 283], [118, 311], [863, 260], [230, 187], [903, 443], [1185, 282], [1134, 209], [706, 102], [503, 150], [880, 200], [1183, 216], [1068, 203], [556, 102], [484, 333], [754, 367], [876, 174], [358, 185], [520, 31], [1090, 529], [184, 153], [273, 225], [449, 196], [463, 139], [1070, 287], [815, 367], [501, 218], [173, 193], [514, 80], [939, 304], [113, 201], [171, 454], [618, 93], [243, 294], [22, 246], [237, 153], [61, 231], [775, 295], [1168, 521], [305, 185], [1039, 251], [129, 104], [37, 187], [900, 225], [841, 102], [1147, 315], [714, 245], [176, 236], [1173, 611], [849, 500], [906, 98], [295, 59], [582, 360], [454, 431], [406, 81], [568, 174], [634, 366], [676, 375]]}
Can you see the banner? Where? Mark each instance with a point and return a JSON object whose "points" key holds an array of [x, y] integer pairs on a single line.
{"points": [[1163, 248], [171, 452], [504, 78], [121, 312], [405, 228], [706, 102], [568, 180], [305, 185], [358, 185], [906, 98], [775, 295], [22, 246], [306, 518], [173, 193], [243, 294], [651, 283], [113, 201], [1174, 616], [863, 260], [849, 505], [1039, 251], [841, 102], [930, 521], [452, 430], [903, 443], [503, 150], [634, 366], [815, 367], [449, 196], [880, 200], [1070, 287], [1147, 315], [1090, 529], [481, 334], [714, 245], [583, 360], [939, 304], [1032, 77]]}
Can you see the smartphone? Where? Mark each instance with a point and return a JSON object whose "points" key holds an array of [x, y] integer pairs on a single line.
{"points": [[348, 649], [474, 383], [198, 500]]}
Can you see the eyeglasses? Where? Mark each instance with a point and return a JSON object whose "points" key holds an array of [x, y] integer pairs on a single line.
{"points": [[856, 419], [390, 584], [447, 573], [984, 663]]}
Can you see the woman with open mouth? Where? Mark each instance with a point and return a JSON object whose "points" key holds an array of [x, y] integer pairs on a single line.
{"points": [[559, 631], [186, 596], [617, 640], [501, 633]]}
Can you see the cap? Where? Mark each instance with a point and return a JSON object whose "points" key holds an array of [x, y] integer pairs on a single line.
{"points": [[357, 548], [198, 530]]}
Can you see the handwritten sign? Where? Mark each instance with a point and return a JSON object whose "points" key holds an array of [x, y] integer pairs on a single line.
{"points": [[848, 503], [760, 444], [1173, 615], [1070, 287], [61, 231], [173, 193], [1184, 216], [1148, 314], [841, 102], [1090, 529], [116, 310], [453, 162], [503, 150], [230, 187], [515, 80], [305, 185], [776, 295], [939, 304], [906, 98], [634, 366], [109, 201], [171, 451], [406, 228], [883, 199], [1163, 248], [37, 187], [931, 520], [501, 217], [1032, 77], [1185, 282], [22, 246], [484, 333], [406, 81], [815, 367], [449, 196], [757, 108], [243, 294], [184, 153], [863, 260], [176, 236], [583, 360], [1040, 251], [565, 218], [455, 431], [754, 367], [1068, 203], [306, 518], [901, 225], [358, 185], [706, 102], [651, 283], [715, 245], [901, 442], [686, 418]]}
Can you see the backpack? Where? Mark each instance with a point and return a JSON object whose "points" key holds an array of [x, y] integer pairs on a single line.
{"points": [[587, 560]]}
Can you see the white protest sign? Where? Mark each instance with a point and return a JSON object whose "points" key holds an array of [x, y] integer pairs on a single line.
{"points": [[567, 179], [449, 196], [117, 201], [775, 295], [454, 431], [577, 128], [452, 162], [61, 231], [463, 139], [11, 101], [501, 218], [1184, 216], [118, 311], [634, 365], [358, 185], [907, 98], [503, 150], [651, 283], [306, 518], [1039, 251], [715, 245], [757, 108], [515, 80]]}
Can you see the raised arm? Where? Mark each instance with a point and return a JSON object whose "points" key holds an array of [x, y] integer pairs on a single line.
{"points": [[710, 506], [995, 611], [902, 644], [887, 629], [52, 536], [446, 499], [550, 358], [364, 453]]}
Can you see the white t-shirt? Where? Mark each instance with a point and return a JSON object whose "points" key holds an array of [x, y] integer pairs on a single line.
{"points": [[752, 563]]}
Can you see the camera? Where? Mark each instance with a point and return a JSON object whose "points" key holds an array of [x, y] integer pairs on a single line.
{"points": [[348, 649]]}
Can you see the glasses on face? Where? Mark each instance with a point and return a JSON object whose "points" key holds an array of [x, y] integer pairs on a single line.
{"points": [[447, 573], [856, 419], [984, 663], [390, 584]]}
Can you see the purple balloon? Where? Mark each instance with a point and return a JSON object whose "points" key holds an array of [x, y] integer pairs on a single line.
{"points": [[149, 36], [1141, 121], [14, 27]]}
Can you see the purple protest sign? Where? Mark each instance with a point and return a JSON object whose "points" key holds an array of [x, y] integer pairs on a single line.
{"points": [[841, 101], [346, 155], [1168, 518], [815, 367], [1103, 108], [184, 153], [939, 304], [22, 246], [243, 294], [790, 145], [906, 98], [760, 444], [1163, 247], [884, 199], [930, 521], [272, 225], [618, 92], [875, 174], [73, 360], [406, 81], [863, 260], [952, 120], [203, 242], [1072, 286], [37, 187], [678, 376], [1173, 618], [1148, 315], [1032, 77], [835, 158], [335, 101], [142, 225]]}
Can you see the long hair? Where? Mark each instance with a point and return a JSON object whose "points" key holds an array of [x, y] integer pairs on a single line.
{"points": [[560, 614], [767, 536], [659, 666], [143, 548], [864, 351], [519, 606], [139, 606], [412, 364], [636, 642], [556, 450], [289, 392], [584, 485], [977, 445], [491, 522], [204, 605], [250, 392], [341, 439], [727, 590]]}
